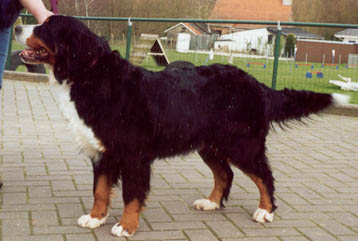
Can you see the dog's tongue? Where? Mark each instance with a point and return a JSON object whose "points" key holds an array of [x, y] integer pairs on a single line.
{"points": [[28, 53]]}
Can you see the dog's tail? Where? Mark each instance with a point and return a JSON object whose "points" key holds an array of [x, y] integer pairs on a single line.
{"points": [[295, 104]]}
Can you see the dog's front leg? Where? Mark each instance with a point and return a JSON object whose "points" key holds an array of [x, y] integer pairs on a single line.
{"points": [[101, 192], [136, 185], [129, 221]]}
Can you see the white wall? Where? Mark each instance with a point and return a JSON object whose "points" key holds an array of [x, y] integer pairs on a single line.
{"points": [[245, 40], [183, 42]]}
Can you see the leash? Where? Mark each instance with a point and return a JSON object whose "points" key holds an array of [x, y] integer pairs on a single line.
{"points": [[54, 7]]}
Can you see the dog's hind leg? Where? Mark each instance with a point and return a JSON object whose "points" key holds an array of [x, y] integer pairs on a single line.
{"points": [[264, 213], [101, 191], [251, 159], [222, 179]]}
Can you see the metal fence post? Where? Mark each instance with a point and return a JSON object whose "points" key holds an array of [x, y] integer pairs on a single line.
{"points": [[129, 38], [277, 55], [9, 50]]}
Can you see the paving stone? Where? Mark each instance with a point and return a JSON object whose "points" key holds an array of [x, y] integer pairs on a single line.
{"points": [[200, 235], [19, 226], [40, 191], [335, 227], [224, 229], [295, 238], [36, 171], [290, 223], [80, 237], [73, 229], [7, 214], [67, 210], [175, 207], [316, 234], [288, 231], [44, 218], [178, 225], [14, 198], [156, 215], [158, 235], [34, 238], [64, 185], [203, 216], [14, 175], [55, 200], [28, 207], [348, 238], [253, 239]]}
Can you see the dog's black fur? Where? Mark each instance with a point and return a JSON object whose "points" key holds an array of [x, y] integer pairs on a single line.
{"points": [[140, 115]]}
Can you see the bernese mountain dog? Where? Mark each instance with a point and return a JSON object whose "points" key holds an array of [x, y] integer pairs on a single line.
{"points": [[124, 117]]}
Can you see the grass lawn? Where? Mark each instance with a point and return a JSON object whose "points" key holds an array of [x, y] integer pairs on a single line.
{"points": [[289, 75]]}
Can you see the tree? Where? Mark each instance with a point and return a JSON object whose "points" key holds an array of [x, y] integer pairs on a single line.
{"points": [[303, 11], [290, 45], [135, 8], [325, 11]]}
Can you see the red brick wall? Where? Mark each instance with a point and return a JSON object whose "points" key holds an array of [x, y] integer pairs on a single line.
{"points": [[316, 49]]}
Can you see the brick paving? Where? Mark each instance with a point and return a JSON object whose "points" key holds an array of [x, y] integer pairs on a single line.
{"points": [[47, 185]]}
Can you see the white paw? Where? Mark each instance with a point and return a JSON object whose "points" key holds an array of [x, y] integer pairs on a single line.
{"points": [[86, 221], [119, 231], [262, 216], [205, 204]]}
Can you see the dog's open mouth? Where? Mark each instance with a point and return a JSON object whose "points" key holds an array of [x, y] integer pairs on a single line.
{"points": [[34, 56]]}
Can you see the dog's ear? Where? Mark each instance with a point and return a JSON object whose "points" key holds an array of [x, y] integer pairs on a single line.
{"points": [[66, 56], [62, 64], [76, 54]]}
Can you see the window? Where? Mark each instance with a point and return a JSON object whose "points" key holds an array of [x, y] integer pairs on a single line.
{"points": [[287, 2]]}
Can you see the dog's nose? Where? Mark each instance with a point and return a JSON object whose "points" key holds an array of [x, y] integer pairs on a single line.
{"points": [[18, 29]]}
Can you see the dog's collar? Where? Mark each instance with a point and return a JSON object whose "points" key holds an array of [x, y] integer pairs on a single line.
{"points": [[93, 63]]}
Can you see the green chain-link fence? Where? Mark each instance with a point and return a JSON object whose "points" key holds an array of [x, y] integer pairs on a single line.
{"points": [[264, 49]]}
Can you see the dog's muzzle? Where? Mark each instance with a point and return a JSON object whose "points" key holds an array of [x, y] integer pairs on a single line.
{"points": [[22, 32]]}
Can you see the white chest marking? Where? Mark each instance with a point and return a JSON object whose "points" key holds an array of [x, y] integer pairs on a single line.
{"points": [[84, 136]]}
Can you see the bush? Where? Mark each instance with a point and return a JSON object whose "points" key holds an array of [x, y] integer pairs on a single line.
{"points": [[290, 45]]}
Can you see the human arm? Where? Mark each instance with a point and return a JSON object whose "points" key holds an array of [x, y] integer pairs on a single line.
{"points": [[37, 8]]}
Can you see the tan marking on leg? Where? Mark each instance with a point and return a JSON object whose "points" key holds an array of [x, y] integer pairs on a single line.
{"points": [[101, 198], [265, 200], [130, 217], [220, 178]]}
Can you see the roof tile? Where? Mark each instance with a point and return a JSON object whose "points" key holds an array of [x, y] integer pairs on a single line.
{"points": [[263, 10]]}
